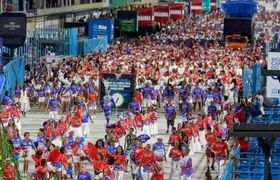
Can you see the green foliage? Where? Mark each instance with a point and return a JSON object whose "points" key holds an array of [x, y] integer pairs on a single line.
{"points": [[7, 153]]}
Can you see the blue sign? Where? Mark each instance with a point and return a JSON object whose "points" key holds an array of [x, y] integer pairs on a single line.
{"points": [[1, 55], [101, 27]]}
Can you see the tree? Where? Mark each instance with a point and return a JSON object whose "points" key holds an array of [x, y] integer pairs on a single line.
{"points": [[7, 154]]}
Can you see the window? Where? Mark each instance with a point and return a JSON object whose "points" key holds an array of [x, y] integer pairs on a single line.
{"points": [[97, 1], [85, 1], [53, 3]]}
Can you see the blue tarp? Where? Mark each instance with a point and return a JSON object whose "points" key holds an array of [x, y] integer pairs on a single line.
{"points": [[242, 9], [252, 80], [15, 71], [95, 45], [73, 41], [2, 83]]}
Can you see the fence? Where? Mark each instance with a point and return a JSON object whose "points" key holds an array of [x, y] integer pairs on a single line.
{"points": [[252, 79], [15, 72], [230, 166]]}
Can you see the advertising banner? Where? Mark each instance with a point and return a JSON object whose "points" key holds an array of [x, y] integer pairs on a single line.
{"points": [[187, 7], [176, 11], [13, 29], [11, 25], [196, 6], [114, 3], [146, 17], [1, 55], [128, 20], [121, 88], [273, 82], [101, 27], [213, 4], [161, 13]]}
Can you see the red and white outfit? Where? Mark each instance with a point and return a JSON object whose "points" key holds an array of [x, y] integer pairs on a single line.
{"points": [[154, 123], [15, 113], [176, 155], [220, 147], [76, 126], [147, 162], [98, 166], [92, 99], [172, 139], [119, 132], [146, 125], [139, 123], [119, 166], [5, 118]]}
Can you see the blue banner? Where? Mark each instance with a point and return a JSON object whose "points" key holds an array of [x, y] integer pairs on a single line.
{"points": [[252, 80], [247, 82], [121, 88], [259, 77], [15, 72], [267, 48], [101, 27], [73, 42], [1, 55]]}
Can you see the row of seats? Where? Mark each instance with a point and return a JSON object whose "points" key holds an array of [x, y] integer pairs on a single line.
{"points": [[251, 163]]}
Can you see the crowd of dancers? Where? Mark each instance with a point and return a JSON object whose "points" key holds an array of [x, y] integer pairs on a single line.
{"points": [[183, 70]]}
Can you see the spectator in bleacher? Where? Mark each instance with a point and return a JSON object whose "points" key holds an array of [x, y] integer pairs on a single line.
{"points": [[242, 114]]}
